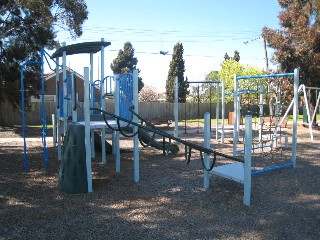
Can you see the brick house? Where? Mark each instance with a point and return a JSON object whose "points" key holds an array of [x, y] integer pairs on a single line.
{"points": [[50, 87]]}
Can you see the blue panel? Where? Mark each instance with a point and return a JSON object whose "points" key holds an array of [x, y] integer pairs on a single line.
{"points": [[126, 95], [61, 101]]}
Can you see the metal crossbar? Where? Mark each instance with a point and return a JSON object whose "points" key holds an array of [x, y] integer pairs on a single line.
{"points": [[151, 128]]}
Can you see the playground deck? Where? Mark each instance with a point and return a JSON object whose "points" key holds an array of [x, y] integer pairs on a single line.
{"points": [[169, 202]]}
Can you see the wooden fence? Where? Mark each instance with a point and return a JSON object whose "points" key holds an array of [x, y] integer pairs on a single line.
{"points": [[151, 110]]}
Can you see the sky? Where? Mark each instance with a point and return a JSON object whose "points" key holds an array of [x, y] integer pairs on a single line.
{"points": [[207, 29]]}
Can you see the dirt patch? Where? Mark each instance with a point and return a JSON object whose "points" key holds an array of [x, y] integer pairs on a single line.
{"points": [[169, 201]]}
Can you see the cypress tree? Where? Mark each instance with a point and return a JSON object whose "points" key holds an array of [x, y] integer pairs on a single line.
{"points": [[177, 68], [126, 62]]}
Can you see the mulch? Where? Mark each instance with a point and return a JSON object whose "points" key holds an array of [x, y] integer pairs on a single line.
{"points": [[169, 201]]}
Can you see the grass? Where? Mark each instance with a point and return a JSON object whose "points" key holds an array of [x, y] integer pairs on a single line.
{"points": [[300, 116], [201, 120], [213, 121], [40, 126]]}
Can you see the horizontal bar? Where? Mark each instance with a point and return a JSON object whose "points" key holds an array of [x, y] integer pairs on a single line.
{"points": [[313, 88], [271, 169], [202, 82], [255, 148], [266, 76], [248, 91], [30, 63], [162, 133]]}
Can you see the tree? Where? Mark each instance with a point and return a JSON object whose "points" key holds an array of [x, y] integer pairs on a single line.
{"points": [[26, 27], [297, 42], [226, 56], [147, 94], [228, 69], [252, 84], [177, 68], [236, 56], [207, 89], [126, 62], [212, 76], [231, 67]]}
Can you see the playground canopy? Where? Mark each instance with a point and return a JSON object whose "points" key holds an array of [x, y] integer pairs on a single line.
{"points": [[85, 47]]}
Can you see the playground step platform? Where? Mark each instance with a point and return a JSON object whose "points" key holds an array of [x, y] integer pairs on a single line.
{"points": [[93, 117], [233, 171]]}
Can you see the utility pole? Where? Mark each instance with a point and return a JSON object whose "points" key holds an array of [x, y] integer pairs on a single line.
{"points": [[264, 47], [266, 54], [266, 61]]}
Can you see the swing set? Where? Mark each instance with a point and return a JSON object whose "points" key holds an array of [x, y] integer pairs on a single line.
{"points": [[212, 85]]}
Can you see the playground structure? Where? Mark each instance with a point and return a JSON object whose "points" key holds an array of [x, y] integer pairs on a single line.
{"points": [[212, 84], [126, 115], [125, 92], [275, 136], [243, 174], [64, 97], [313, 119], [216, 85], [234, 171], [121, 119], [44, 57], [67, 102]]}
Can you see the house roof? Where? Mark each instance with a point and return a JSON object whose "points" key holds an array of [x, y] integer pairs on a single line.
{"points": [[69, 70], [85, 47]]}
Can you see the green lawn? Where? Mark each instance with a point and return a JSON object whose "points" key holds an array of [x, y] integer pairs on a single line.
{"points": [[213, 121], [40, 126]]}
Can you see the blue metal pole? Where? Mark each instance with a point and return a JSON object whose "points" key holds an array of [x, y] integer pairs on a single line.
{"points": [[43, 114], [23, 121], [272, 168], [25, 160]]}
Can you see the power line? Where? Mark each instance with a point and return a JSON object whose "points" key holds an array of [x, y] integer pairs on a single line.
{"points": [[153, 31], [185, 36], [152, 36], [184, 55]]}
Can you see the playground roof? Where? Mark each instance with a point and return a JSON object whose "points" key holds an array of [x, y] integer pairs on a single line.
{"points": [[85, 47]]}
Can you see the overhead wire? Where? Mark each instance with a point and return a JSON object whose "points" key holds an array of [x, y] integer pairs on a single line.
{"points": [[192, 36], [142, 35]]}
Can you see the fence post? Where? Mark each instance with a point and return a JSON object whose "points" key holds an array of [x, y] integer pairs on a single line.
{"points": [[247, 161], [206, 145], [176, 108]]}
